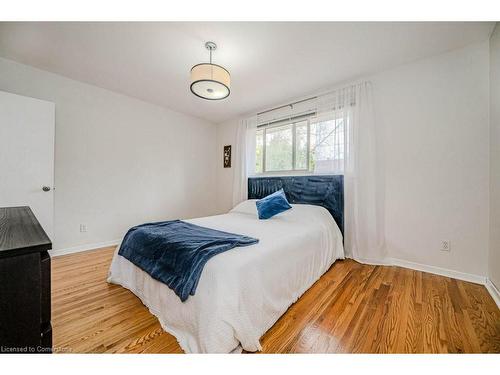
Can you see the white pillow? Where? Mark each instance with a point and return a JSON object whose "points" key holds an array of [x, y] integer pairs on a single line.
{"points": [[246, 207]]}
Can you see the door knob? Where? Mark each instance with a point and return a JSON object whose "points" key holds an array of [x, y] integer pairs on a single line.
{"points": [[46, 188]]}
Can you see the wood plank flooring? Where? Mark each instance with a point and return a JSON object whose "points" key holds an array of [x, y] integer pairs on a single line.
{"points": [[353, 308]]}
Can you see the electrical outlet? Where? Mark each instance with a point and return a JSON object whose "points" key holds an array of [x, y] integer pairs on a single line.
{"points": [[445, 245], [83, 228]]}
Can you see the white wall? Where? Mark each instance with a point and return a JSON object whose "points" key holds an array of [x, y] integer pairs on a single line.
{"points": [[432, 117], [119, 161], [494, 255], [226, 135]]}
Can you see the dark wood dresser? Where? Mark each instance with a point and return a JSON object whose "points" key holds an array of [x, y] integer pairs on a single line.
{"points": [[24, 283]]}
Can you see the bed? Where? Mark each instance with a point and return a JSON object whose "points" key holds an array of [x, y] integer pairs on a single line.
{"points": [[244, 291]]}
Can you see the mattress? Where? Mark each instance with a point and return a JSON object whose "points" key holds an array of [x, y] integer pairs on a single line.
{"points": [[244, 291]]}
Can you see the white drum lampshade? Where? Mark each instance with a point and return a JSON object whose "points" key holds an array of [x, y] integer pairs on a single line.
{"points": [[210, 81]]}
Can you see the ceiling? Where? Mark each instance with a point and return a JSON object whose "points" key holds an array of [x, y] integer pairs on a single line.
{"points": [[270, 62]]}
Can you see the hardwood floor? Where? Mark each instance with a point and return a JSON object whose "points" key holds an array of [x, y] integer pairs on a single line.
{"points": [[353, 308]]}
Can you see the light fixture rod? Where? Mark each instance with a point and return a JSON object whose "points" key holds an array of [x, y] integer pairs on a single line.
{"points": [[211, 46]]}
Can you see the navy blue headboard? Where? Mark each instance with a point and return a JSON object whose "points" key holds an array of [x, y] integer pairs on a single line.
{"points": [[325, 191]]}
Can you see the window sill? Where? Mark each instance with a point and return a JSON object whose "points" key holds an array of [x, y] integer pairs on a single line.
{"points": [[293, 173]]}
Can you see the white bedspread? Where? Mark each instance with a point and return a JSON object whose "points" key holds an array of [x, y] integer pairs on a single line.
{"points": [[243, 291]]}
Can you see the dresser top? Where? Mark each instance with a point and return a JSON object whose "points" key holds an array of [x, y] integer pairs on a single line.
{"points": [[20, 232]]}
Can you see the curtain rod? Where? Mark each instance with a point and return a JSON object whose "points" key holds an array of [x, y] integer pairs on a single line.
{"points": [[287, 119], [287, 105], [331, 91]]}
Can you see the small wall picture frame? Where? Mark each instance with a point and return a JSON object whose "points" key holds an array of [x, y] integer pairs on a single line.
{"points": [[227, 156]]}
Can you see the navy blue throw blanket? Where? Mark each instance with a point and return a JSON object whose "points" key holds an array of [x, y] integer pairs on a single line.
{"points": [[175, 252]]}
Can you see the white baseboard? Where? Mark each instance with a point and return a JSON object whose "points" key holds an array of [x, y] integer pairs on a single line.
{"points": [[495, 294], [490, 287], [439, 271], [78, 249]]}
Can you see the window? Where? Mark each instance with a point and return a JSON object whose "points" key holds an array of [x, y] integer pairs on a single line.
{"points": [[311, 145]]}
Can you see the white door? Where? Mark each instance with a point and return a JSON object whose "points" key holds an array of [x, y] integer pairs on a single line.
{"points": [[27, 156]]}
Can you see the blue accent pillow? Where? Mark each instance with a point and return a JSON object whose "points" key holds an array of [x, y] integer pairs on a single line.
{"points": [[273, 204]]}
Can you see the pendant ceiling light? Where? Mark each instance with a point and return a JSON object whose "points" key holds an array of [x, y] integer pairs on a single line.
{"points": [[210, 81]]}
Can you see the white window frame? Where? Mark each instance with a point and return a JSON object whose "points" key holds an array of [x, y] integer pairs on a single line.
{"points": [[293, 171], [294, 148]]}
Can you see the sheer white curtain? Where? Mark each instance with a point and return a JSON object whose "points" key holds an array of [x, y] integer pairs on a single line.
{"points": [[343, 140], [244, 158], [363, 193]]}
